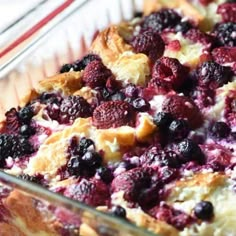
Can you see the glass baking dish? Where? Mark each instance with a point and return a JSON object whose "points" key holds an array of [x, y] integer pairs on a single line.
{"points": [[27, 206]]}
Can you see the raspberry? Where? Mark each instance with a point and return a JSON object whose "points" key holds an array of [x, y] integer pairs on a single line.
{"points": [[227, 12], [92, 192], [96, 74], [170, 70], [212, 75], [224, 54], [182, 107], [158, 21], [13, 146], [159, 86], [73, 107], [230, 109], [149, 43], [226, 34], [113, 114], [197, 36], [205, 2], [12, 121], [132, 182]]}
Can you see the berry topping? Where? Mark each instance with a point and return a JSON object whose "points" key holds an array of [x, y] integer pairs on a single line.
{"points": [[178, 129], [227, 12], [162, 120], [226, 34], [85, 144], [92, 192], [182, 107], [149, 43], [27, 130], [132, 182], [113, 114], [96, 74], [119, 211], [224, 54], [13, 146], [73, 107], [212, 74], [92, 159], [105, 174], [140, 104], [170, 70], [158, 21], [12, 120], [189, 151], [26, 114], [220, 130], [131, 91], [183, 26], [204, 210]]}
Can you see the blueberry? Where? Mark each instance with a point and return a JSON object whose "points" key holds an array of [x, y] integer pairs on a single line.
{"points": [[119, 96], [189, 151], [26, 114], [75, 166], [105, 94], [204, 210], [162, 120], [220, 130], [140, 104], [27, 130], [92, 159], [105, 174], [178, 129], [84, 144], [183, 26], [119, 211]]}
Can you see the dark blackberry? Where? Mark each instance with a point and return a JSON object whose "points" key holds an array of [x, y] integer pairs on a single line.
{"points": [[26, 114], [220, 130], [33, 179], [189, 151], [178, 129], [105, 174], [73, 107], [119, 211], [92, 159], [162, 120], [81, 64], [13, 146], [140, 104], [118, 96], [85, 144], [67, 68], [27, 130], [225, 33], [158, 21], [183, 26], [204, 210], [212, 74]]}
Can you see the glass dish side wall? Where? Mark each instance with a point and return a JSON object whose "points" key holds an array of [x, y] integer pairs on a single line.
{"points": [[23, 204]]}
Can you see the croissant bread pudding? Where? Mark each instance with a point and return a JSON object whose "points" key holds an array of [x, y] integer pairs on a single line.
{"points": [[143, 127]]}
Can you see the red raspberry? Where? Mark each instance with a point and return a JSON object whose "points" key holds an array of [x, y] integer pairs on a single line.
{"points": [[132, 182], [12, 120], [182, 107], [169, 70], [92, 192], [196, 35], [205, 2], [96, 74], [227, 12], [230, 108], [113, 114], [149, 43], [224, 54]]}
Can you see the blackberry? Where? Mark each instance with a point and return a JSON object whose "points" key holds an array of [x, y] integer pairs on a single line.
{"points": [[67, 68], [26, 114], [204, 210], [13, 146], [119, 211], [225, 33], [212, 74], [189, 151], [27, 130], [81, 64], [73, 107], [84, 144], [92, 159], [162, 120], [220, 130], [140, 104], [158, 21], [178, 129], [105, 174]]}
